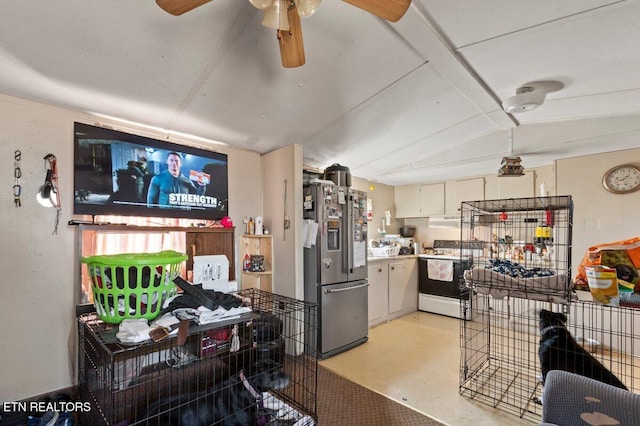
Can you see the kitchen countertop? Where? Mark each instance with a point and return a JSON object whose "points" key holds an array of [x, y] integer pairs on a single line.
{"points": [[378, 258], [444, 256]]}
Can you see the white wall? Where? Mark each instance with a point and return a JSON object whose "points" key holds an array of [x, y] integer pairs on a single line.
{"points": [[37, 272], [599, 216], [285, 163], [382, 198]]}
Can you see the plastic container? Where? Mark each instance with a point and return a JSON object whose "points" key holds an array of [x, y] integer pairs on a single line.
{"points": [[603, 284], [385, 251], [132, 285]]}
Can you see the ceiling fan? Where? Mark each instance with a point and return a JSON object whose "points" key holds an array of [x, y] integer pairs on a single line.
{"points": [[284, 16]]}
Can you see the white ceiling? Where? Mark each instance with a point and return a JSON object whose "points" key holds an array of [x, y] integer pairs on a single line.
{"points": [[408, 102]]}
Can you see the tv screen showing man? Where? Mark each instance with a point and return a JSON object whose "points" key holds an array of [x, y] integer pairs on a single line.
{"points": [[171, 188]]}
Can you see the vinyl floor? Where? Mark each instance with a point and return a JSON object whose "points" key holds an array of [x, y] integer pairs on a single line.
{"points": [[415, 360]]}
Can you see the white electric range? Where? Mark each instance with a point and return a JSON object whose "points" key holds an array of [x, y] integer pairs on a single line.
{"points": [[440, 277]]}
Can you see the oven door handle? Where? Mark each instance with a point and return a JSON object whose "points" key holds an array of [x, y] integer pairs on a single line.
{"points": [[329, 291]]}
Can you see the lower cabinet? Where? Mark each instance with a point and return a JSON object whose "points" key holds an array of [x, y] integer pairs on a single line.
{"points": [[378, 276], [393, 289]]}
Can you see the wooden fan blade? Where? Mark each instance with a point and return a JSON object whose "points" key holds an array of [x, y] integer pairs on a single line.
{"points": [[178, 7], [291, 44], [391, 10]]}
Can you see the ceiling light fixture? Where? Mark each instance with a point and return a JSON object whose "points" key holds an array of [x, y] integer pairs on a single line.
{"points": [[527, 98]]}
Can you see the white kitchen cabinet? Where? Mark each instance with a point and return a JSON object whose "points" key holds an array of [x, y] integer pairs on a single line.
{"points": [[422, 200], [378, 289], [463, 190], [432, 199], [402, 286], [517, 186], [407, 201], [393, 288]]}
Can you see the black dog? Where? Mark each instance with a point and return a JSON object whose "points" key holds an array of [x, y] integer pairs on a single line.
{"points": [[233, 402], [559, 351]]}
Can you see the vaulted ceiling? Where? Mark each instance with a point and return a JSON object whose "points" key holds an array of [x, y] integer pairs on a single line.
{"points": [[413, 101]]}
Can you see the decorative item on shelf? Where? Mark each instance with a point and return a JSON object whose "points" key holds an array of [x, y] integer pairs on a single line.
{"points": [[250, 224], [257, 263], [246, 263], [259, 225], [226, 222]]}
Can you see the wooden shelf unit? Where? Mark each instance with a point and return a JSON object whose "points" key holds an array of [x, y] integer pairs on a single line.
{"points": [[258, 245]]}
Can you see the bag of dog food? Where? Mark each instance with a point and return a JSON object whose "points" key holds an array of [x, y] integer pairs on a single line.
{"points": [[603, 284], [623, 256]]}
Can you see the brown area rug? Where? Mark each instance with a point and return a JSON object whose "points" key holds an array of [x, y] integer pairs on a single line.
{"points": [[343, 402]]}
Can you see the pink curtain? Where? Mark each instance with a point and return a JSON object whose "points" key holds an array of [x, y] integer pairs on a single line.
{"points": [[128, 241]]}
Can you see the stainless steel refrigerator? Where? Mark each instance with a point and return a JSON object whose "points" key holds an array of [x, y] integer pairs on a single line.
{"points": [[335, 264]]}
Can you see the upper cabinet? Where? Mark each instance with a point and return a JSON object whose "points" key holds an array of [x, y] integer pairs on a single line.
{"points": [[463, 190], [517, 186], [419, 200], [407, 201], [444, 198]]}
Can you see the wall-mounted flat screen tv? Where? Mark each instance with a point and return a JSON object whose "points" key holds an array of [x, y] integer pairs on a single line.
{"points": [[117, 173]]}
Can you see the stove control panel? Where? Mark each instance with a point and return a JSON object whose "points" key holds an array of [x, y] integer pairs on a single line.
{"points": [[457, 244]]}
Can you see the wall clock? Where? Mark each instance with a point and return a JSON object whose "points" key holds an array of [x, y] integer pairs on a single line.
{"points": [[622, 179]]}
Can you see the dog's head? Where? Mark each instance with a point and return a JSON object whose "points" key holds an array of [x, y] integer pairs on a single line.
{"points": [[548, 318], [265, 375]]}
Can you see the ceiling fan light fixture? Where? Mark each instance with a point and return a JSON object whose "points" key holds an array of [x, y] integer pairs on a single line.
{"points": [[261, 4], [275, 16], [307, 8], [526, 99]]}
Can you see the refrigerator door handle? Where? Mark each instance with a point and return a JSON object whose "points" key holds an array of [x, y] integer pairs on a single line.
{"points": [[329, 291], [349, 236]]}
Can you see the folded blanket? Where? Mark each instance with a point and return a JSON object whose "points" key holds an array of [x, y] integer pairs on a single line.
{"points": [[206, 316], [137, 330]]}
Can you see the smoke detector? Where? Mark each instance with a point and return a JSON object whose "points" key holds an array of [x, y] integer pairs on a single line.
{"points": [[526, 99]]}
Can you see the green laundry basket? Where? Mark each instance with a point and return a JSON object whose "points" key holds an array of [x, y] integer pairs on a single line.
{"points": [[132, 285]]}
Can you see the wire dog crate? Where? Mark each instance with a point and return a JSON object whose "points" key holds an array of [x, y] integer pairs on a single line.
{"points": [[499, 349], [524, 265], [150, 383]]}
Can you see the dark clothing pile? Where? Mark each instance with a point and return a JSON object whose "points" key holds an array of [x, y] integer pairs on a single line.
{"points": [[517, 270]]}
